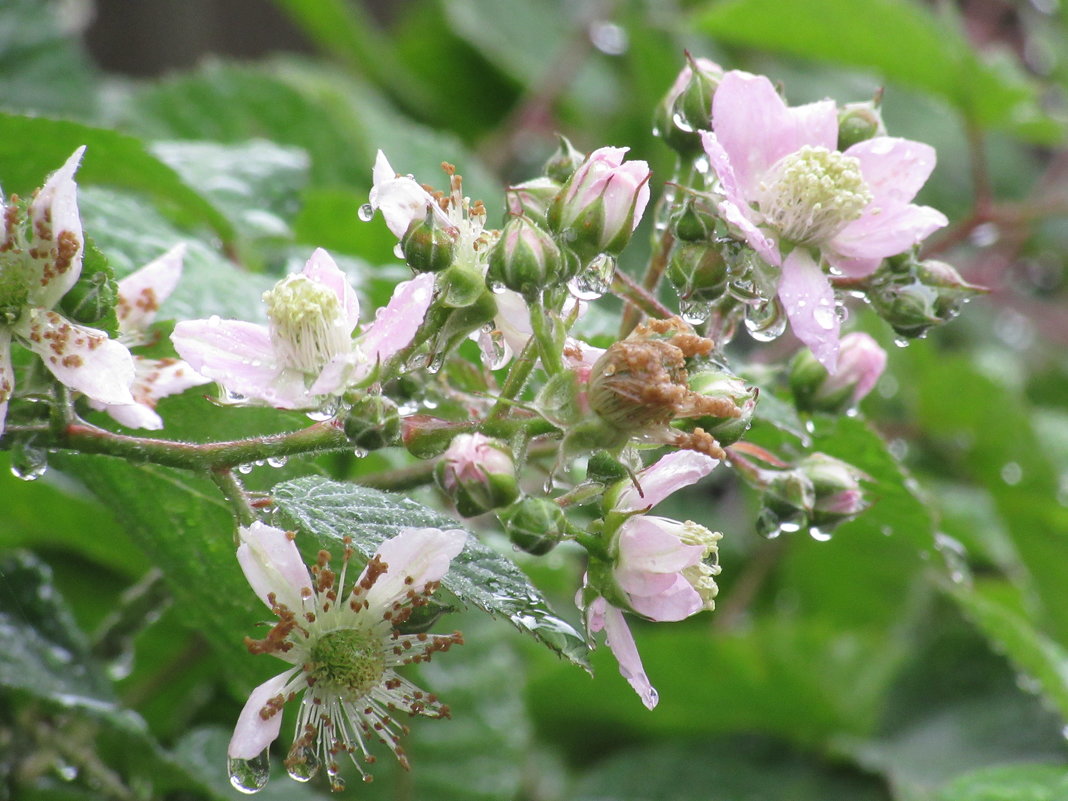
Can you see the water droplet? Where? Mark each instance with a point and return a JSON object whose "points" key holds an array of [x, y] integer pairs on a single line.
{"points": [[680, 122], [495, 351], [901, 342], [28, 462], [366, 212], [244, 469], [898, 448], [886, 531], [304, 767], [818, 534], [1011, 473], [496, 287], [825, 317], [594, 279], [955, 556], [233, 397], [695, 312], [985, 235], [398, 251], [277, 461], [359, 453], [436, 362], [327, 411], [609, 38], [250, 775], [765, 321]]}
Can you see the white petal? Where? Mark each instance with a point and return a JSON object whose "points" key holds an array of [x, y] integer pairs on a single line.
{"points": [[252, 733], [56, 207], [83, 358], [132, 415], [272, 564], [141, 292], [7, 374], [423, 554]]}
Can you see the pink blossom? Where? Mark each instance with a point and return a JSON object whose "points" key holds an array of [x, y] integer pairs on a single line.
{"points": [[660, 568], [343, 650], [140, 294], [307, 353], [804, 206], [40, 262], [860, 363]]}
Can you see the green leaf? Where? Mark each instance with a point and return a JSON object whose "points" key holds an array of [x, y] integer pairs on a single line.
{"points": [[900, 39], [1008, 783], [33, 147], [740, 769], [479, 576]]}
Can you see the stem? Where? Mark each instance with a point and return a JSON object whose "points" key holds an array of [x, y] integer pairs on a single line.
{"points": [[518, 374], [209, 456], [626, 288], [234, 492], [653, 273], [544, 335]]}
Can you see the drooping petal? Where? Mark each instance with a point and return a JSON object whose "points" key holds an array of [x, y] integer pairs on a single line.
{"points": [[676, 602], [132, 415], [808, 298], [54, 212], [322, 269], [887, 232], [272, 564], [621, 643], [421, 554], [647, 543], [756, 128], [670, 473], [239, 356], [894, 169], [7, 374], [401, 199], [153, 379], [733, 206], [252, 733], [83, 358], [396, 323], [141, 292]]}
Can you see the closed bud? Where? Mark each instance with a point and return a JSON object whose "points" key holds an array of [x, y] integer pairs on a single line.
{"points": [[697, 271], [687, 107], [563, 163], [838, 496], [734, 394], [372, 422], [788, 500], [525, 258], [694, 223], [478, 474], [915, 296], [461, 285], [605, 469], [427, 245], [534, 525], [532, 199], [858, 122], [860, 363], [601, 204]]}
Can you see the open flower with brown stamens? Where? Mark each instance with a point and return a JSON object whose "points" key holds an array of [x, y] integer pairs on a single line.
{"points": [[640, 385], [344, 648]]}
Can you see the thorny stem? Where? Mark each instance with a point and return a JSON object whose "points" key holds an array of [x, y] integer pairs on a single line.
{"points": [[234, 492], [517, 377], [625, 287]]}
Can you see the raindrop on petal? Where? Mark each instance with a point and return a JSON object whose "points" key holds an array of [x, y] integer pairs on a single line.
{"points": [[250, 775]]}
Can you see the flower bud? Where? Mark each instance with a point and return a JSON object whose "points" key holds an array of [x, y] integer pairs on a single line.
{"points": [[461, 285], [478, 474], [836, 484], [915, 296], [788, 498], [372, 422], [698, 271], [722, 386], [694, 223], [858, 122], [525, 258], [532, 199], [601, 204], [427, 245], [534, 525], [860, 363], [563, 163], [687, 107], [605, 469]]}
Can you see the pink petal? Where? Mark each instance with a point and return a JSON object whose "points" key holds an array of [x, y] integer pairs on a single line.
{"points": [[85, 359], [322, 269], [337, 374], [621, 643], [677, 602], [272, 564], [756, 128], [396, 323], [423, 554], [670, 473], [647, 543], [7, 374], [854, 268], [734, 208], [401, 199], [595, 612], [253, 734], [887, 232], [642, 582], [141, 292], [808, 298], [57, 202], [894, 169]]}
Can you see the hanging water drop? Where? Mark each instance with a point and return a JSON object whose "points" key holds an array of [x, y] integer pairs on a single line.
{"points": [[366, 212], [765, 321], [818, 534], [304, 767], [277, 461], [594, 280], [436, 362], [398, 251], [249, 775], [695, 312], [28, 462], [244, 469], [325, 412]]}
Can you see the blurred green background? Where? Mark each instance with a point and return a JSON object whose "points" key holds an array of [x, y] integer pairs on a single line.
{"points": [[919, 655]]}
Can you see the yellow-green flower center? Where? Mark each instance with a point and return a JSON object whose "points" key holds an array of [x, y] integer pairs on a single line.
{"points": [[349, 660], [307, 324], [810, 195]]}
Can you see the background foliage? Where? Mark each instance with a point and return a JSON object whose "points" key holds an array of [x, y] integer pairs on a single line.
{"points": [[919, 655]]}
